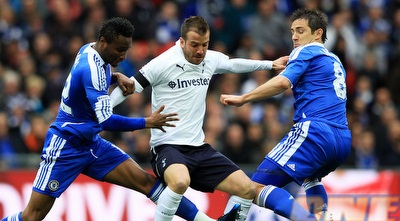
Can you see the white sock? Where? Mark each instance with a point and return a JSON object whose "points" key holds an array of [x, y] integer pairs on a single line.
{"points": [[167, 205], [245, 205]]}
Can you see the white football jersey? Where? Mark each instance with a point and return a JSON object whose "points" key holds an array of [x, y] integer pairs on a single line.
{"points": [[182, 88]]}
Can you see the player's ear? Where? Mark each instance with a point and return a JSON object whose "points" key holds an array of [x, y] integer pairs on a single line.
{"points": [[319, 33], [182, 42], [103, 42]]}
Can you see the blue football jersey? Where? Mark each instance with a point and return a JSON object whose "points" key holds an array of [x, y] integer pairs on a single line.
{"points": [[319, 84], [85, 102]]}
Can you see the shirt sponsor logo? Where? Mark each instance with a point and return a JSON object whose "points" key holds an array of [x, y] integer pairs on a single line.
{"points": [[196, 82]]}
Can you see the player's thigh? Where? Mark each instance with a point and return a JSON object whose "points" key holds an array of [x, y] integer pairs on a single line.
{"points": [[38, 206], [106, 158], [239, 184], [130, 175], [115, 166], [208, 168], [172, 163]]}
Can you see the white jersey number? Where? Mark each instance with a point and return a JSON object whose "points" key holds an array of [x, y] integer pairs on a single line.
{"points": [[339, 83], [65, 95]]}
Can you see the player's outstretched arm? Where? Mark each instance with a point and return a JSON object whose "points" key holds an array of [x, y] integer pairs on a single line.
{"points": [[276, 85], [159, 120]]}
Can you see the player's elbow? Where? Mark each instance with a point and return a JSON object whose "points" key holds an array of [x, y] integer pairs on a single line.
{"points": [[282, 83]]}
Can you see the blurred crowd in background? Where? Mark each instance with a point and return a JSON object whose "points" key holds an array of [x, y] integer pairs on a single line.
{"points": [[40, 39]]}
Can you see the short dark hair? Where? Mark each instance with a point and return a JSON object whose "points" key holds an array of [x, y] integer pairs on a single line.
{"points": [[196, 24], [316, 19], [115, 27]]}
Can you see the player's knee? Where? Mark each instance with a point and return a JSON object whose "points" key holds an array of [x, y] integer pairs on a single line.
{"points": [[179, 186]]}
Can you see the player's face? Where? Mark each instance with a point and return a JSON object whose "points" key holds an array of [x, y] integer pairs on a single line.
{"points": [[114, 52], [195, 47], [301, 33]]}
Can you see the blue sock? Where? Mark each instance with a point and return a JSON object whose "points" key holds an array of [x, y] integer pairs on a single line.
{"points": [[186, 210], [317, 198], [156, 191], [15, 217], [282, 203]]}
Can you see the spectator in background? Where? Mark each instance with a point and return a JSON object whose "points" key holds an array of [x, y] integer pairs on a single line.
{"points": [[55, 77], [215, 122], [92, 17], [254, 141], [16, 101], [168, 24], [375, 29], [342, 38], [61, 26], [386, 131], [30, 17], [73, 48], [363, 152], [141, 13], [383, 100], [361, 102], [13, 41], [34, 89], [234, 23], [36, 135], [41, 46], [392, 158], [10, 144], [268, 29], [234, 144], [141, 147]]}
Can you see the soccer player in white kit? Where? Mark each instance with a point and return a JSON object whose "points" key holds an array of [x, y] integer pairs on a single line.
{"points": [[320, 140], [180, 78]]}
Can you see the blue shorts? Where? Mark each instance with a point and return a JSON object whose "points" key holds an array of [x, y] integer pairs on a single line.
{"points": [[311, 149], [207, 167], [62, 162]]}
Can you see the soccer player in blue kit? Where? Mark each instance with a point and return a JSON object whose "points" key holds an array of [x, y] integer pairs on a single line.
{"points": [[73, 145], [319, 141]]}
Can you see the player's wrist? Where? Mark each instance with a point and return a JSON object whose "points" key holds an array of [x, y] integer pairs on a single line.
{"points": [[269, 65]]}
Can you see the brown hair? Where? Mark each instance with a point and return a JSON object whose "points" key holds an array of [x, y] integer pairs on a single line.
{"points": [[196, 24]]}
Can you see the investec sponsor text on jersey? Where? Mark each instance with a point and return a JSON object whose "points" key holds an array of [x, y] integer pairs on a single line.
{"points": [[189, 83]]}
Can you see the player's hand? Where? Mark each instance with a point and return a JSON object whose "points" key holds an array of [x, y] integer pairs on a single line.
{"points": [[158, 120], [280, 63], [232, 100], [126, 84]]}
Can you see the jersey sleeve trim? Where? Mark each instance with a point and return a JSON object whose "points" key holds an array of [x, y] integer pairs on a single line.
{"points": [[141, 80]]}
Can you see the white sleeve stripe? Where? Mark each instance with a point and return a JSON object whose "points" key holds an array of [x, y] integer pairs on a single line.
{"points": [[103, 108], [98, 74]]}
